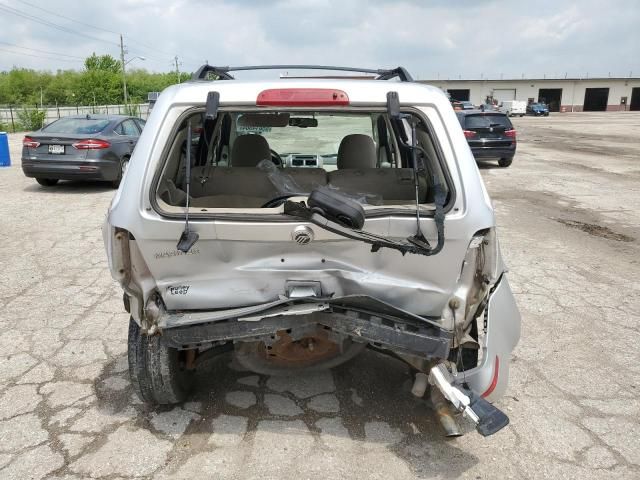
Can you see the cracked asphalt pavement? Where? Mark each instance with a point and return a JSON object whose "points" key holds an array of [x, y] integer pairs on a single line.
{"points": [[569, 218]]}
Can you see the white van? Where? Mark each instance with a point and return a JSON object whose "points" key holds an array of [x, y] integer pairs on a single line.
{"points": [[514, 107]]}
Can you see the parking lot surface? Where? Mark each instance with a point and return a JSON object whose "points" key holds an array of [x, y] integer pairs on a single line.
{"points": [[569, 218]]}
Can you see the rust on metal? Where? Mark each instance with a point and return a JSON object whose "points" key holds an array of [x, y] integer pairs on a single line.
{"points": [[190, 359], [444, 414], [306, 351]]}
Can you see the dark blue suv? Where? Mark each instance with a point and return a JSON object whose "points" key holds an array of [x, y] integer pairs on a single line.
{"points": [[538, 109]]}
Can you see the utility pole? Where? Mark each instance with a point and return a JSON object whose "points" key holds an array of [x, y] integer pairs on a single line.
{"points": [[177, 69], [124, 76]]}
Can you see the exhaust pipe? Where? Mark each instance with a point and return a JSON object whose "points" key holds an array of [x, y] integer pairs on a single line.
{"points": [[444, 414], [440, 405]]}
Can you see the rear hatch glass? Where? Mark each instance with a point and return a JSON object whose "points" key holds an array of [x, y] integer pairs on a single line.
{"points": [[80, 126], [248, 158], [482, 121]]}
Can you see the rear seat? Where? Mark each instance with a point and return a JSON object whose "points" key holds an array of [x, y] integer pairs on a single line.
{"points": [[214, 184], [239, 186], [357, 173], [307, 178], [206, 181], [243, 185], [393, 185]]}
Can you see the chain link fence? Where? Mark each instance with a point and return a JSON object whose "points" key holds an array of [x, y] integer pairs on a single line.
{"points": [[21, 118]]}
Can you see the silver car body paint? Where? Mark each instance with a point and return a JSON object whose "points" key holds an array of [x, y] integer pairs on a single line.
{"points": [[243, 263]]}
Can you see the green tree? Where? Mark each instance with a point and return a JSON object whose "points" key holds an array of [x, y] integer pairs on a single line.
{"points": [[104, 63], [99, 83], [31, 119]]}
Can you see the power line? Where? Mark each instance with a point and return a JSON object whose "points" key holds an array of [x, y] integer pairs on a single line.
{"points": [[34, 18], [136, 53], [41, 51], [147, 47], [171, 55], [47, 23], [140, 44], [68, 18], [129, 38], [38, 56]]}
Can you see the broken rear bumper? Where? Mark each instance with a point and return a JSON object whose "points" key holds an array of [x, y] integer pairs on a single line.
{"points": [[388, 328], [490, 378], [364, 320]]}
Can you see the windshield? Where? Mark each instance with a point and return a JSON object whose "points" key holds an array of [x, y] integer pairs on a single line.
{"points": [[323, 139], [77, 125]]}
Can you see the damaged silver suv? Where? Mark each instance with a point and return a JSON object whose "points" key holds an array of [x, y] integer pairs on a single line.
{"points": [[300, 221]]}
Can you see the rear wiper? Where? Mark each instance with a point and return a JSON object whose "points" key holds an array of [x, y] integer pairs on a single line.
{"points": [[331, 221]]}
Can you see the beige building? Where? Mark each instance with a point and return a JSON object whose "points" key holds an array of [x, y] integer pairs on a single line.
{"points": [[562, 95]]}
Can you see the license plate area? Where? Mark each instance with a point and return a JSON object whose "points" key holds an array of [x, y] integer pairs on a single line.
{"points": [[490, 135], [56, 149]]}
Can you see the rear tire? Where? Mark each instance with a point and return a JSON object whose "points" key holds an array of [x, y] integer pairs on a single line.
{"points": [[157, 371], [47, 182], [505, 162]]}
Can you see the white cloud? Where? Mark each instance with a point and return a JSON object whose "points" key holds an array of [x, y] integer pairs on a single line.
{"points": [[556, 29], [464, 38]]}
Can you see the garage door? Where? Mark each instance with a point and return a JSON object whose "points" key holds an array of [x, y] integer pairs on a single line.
{"points": [[595, 99], [459, 94], [504, 94]]}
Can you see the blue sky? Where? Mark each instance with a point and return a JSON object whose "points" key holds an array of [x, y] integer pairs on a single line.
{"points": [[445, 39]]}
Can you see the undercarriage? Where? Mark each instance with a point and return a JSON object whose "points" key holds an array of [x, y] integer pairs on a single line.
{"points": [[298, 335]]}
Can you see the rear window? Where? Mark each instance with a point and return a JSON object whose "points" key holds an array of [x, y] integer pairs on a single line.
{"points": [[247, 159], [486, 121], [77, 125]]}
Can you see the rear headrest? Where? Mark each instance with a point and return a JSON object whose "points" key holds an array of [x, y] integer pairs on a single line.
{"points": [[249, 150], [357, 151]]}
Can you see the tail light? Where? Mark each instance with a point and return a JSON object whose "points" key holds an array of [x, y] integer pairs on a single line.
{"points": [[469, 133], [510, 133], [91, 144], [494, 378], [30, 143], [302, 97]]}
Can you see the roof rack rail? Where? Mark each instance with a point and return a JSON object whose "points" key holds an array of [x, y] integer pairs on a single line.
{"points": [[223, 72]]}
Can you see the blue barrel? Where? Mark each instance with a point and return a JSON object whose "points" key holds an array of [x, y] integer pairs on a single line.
{"points": [[5, 158]]}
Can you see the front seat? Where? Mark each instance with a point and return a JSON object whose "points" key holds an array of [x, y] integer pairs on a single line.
{"points": [[357, 151], [249, 150], [358, 174]]}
